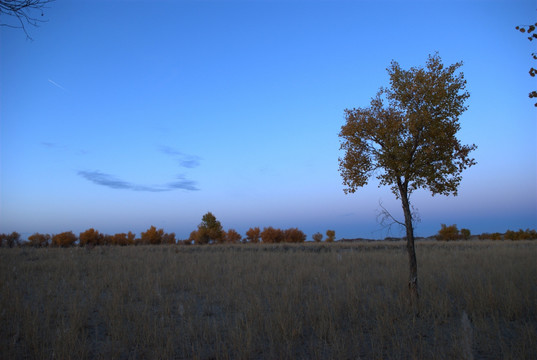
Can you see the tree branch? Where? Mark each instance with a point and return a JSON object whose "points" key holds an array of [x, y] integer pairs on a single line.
{"points": [[21, 10], [386, 216]]}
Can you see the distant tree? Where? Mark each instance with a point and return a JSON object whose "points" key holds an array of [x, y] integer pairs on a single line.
{"points": [[130, 238], [447, 233], [168, 238], [197, 238], [209, 230], [119, 239], [317, 237], [108, 239], [122, 239], [253, 235], [529, 29], [520, 234], [10, 240], [294, 235], [270, 235], [330, 235], [39, 240], [407, 138], [152, 236], [64, 239], [14, 239], [91, 237], [23, 12], [488, 236], [531, 234], [465, 234], [232, 236], [511, 235]]}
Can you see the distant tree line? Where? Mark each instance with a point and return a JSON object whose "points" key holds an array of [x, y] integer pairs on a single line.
{"points": [[209, 231], [451, 233]]}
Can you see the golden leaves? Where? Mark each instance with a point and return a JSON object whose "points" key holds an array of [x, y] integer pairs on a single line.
{"points": [[409, 131]]}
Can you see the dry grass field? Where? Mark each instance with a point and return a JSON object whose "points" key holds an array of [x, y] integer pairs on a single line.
{"points": [[304, 301]]}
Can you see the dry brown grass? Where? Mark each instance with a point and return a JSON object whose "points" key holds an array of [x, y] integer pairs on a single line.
{"points": [[303, 301]]}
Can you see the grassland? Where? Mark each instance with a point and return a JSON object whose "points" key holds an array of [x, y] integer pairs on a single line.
{"points": [[305, 301]]}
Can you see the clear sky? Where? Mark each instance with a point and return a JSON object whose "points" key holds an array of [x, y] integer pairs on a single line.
{"points": [[120, 115]]}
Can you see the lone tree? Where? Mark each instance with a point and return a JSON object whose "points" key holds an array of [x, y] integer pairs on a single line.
{"points": [[407, 139], [209, 230], [448, 233], [23, 11]]}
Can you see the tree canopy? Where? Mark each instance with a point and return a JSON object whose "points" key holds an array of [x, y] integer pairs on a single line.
{"points": [[209, 230], [407, 136], [529, 29]]}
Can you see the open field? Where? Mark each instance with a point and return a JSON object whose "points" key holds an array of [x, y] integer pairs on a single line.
{"points": [[303, 301]]}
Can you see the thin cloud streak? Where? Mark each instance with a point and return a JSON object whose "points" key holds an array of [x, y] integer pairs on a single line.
{"points": [[57, 85], [185, 160], [184, 184], [108, 180]]}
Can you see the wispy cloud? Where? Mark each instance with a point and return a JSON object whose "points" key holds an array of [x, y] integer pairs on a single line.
{"points": [[185, 160], [190, 162], [182, 183], [100, 178], [110, 181], [57, 85], [170, 151], [49, 144]]}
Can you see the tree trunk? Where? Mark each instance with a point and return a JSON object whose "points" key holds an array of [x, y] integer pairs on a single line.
{"points": [[412, 262]]}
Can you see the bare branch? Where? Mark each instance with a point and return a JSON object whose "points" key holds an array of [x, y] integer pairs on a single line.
{"points": [[23, 10], [385, 218]]}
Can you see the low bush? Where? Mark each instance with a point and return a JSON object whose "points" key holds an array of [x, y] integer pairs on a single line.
{"points": [[317, 237]]}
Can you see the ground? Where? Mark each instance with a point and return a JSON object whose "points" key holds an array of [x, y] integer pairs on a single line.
{"points": [[299, 301]]}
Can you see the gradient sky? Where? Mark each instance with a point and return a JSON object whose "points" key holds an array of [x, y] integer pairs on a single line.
{"points": [[120, 115]]}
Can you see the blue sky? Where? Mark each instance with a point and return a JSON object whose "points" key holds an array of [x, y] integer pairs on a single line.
{"points": [[120, 115]]}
